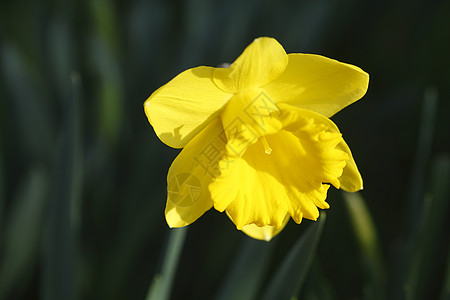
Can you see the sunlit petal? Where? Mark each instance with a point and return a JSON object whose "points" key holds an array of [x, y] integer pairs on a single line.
{"points": [[262, 61], [181, 108], [318, 84], [265, 233]]}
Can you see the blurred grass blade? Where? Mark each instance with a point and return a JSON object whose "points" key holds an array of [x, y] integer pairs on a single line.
{"points": [[318, 287], [162, 283], [288, 279], [367, 239], [106, 49], [62, 50], [440, 213], [423, 150], [58, 278], [30, 119], [432, 227], [22, 233], [445, 293], [2, 186], [248, 270], [419, 209]]}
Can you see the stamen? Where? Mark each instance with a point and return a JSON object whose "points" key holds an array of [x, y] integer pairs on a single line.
{"points": [[267, 148]]}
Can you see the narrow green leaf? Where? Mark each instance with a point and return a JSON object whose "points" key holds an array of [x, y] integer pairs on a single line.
{"points": [[31, 120], [288, 279], [2, 185], [445, 293], [58, 278], [417, 204], [22, 233], [248, 270], [317, 287], [367, 239], [162, 283], [430, 232], [62, 50], [105, 49], [423, 150]]}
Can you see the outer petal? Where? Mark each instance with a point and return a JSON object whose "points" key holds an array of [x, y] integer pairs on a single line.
{"points": [[190, 174], [261, 62], [184, 106], [318, 83], [351, 180]]}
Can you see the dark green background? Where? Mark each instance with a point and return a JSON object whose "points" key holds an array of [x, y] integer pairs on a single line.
{"points": [[83, 176]]}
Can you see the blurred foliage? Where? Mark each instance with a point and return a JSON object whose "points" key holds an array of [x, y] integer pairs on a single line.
{"points": [[82, 175]]}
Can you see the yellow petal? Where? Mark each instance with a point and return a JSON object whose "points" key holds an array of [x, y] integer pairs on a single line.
{"points": [[351, 180], [318, 83], [184, 106], [246, 117], [262, 186], [265, 233], [190, 174], [255, 196], [261, 62]]}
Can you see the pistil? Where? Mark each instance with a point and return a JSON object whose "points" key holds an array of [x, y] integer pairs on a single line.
{"points": [[267, 148]]}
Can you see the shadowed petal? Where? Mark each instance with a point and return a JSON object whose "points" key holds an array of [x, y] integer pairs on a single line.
{"points": [[190, 174]]}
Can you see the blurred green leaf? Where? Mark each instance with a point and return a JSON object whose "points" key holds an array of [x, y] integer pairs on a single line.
{"points": [[105, 52], [104, 15], [289, 277], [317, 287], [59, 247], [445, 293], [2, 186], [31, 119], [162, 283], [432, 228], [367, 238], [408, 277], [248, 270], [62, 50], [22, 233], [423, 150]]}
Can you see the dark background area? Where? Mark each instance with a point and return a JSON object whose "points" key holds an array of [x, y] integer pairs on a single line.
{"points": [[83, 175]]}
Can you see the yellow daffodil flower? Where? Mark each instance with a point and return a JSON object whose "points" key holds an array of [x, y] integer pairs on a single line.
{"points": [[256, 136]]}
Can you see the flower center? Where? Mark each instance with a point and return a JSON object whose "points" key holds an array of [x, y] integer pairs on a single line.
{"points": [[267, 148]]}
